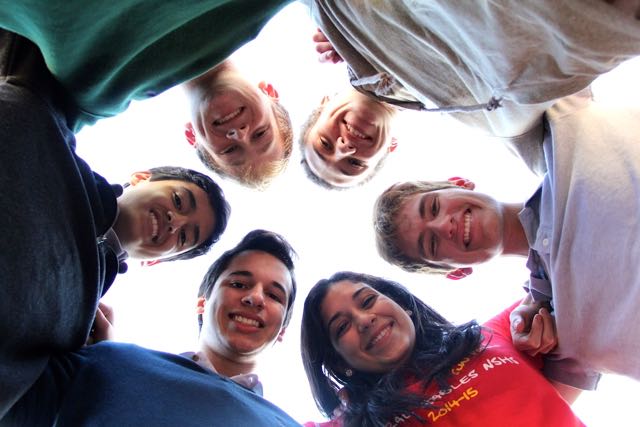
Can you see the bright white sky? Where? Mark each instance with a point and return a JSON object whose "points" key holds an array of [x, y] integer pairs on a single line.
{"points": [[331, 231]]}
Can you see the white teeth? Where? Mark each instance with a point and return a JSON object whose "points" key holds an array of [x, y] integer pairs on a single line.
{"points": [[154, 225], [467, 227], [381, 335], [355, 132], [228, 117], [246, 321]]}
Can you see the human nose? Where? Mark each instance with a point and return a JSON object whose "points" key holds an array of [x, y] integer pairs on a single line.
{"points": [[443, 226], [254, 298], [365, 321], [345, 147], [175, 221], [238, 134]]}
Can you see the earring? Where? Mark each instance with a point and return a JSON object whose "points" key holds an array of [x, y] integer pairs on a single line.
{"points": [[409, 313], [348, 372]]}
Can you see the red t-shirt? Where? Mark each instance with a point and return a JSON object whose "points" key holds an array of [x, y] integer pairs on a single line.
{"points": [[497, 387]]}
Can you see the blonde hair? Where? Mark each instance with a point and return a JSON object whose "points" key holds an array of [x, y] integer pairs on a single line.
{"points": [[385, 212], [252, 177]]}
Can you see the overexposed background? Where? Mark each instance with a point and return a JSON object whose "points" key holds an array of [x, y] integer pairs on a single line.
{"points": [[331, 230]]}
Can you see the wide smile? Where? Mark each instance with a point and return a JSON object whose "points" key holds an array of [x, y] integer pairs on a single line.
{"points": [[356, 132], [466, 237], [246, 320], [153, 218], [222, 120], [379, 336]]}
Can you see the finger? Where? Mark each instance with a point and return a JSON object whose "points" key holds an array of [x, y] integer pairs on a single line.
{"points": [[549, 336], [323, 47], [517, 323], [329, 56], [107, 310], [319, 36]]}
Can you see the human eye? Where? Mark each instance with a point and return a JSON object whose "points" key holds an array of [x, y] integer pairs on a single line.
{"points": [[260, 133], [435, 206], [357, 163], [230, 149], [326, 144], [182, 237], [177, 201], [237, 285], [341, 329], [274, 296], [368, 301]]}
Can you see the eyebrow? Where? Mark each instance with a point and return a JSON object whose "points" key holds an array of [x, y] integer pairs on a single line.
{"points": [[353, 298], [421, 211], [246, 273]]}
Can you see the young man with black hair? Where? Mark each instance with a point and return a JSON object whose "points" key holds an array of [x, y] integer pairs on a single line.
{"points": [[246, 300], [65, 231]]}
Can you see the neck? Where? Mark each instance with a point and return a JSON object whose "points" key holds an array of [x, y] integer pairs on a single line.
{"points": [[515, 240], [226, 366]]}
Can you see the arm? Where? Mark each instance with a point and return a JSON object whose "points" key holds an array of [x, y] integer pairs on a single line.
{"points": [[568, 393]]}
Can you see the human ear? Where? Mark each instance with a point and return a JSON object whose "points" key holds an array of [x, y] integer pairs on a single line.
{"points": [[149, 263], [462, 182], [281, 334], [393, 145], [138, 177], [459, 273], [200, 305], [269, 90], [190, 134]]}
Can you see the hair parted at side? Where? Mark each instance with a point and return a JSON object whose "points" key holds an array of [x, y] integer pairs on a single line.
{"points": [[257, 240], [385, 224], [304, 133], [215, 196], [374, 399], [258, 178]]}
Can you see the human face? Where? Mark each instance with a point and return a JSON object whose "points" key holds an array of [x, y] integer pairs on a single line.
{"points": [[158, 219], [369, 330], [236, 125], [246, 309], [349, 139], [451, 227]]}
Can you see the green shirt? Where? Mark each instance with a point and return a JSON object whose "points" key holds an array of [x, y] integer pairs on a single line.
{"points": [[108, 53]]}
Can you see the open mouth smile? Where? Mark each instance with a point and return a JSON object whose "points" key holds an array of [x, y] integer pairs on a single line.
{"points": [[246, 321], [383, 333], [154, 226], [228, 117], [466, 237], [355, 131]]}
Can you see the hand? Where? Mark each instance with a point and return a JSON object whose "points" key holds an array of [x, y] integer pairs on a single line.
{"points": [[533, 328], [102, 325], [325, 48]]}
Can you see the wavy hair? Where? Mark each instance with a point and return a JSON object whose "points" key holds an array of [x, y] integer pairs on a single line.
{"points": [[374, 399]]}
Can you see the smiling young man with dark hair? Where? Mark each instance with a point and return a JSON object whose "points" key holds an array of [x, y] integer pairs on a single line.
{"points": [[246, 300], [66, 230], [579, 231]]}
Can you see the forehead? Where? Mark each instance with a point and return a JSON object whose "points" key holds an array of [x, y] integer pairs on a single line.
{"points": [[262, 266], [339, 297]]}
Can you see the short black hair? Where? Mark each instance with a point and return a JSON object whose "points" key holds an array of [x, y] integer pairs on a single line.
{"points": [[215, 195], [256, 240]]}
